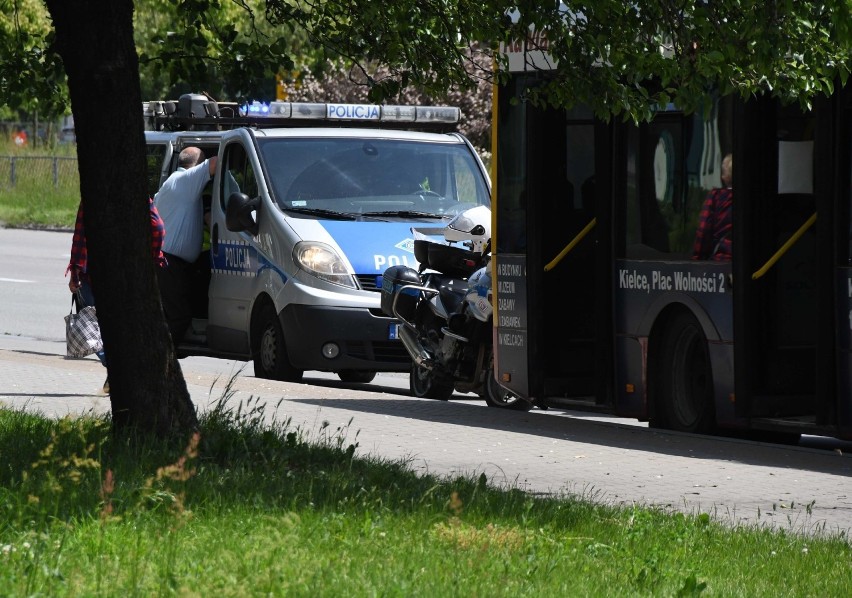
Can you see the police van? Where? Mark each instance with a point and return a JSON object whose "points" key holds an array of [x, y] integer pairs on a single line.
{"points": [[310, 204]]}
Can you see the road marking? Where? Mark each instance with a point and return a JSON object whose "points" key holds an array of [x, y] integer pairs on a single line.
{"points": [[14, 280]]}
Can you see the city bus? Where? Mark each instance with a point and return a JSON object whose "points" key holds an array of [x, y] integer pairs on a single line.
{"points": [[599, 304]]}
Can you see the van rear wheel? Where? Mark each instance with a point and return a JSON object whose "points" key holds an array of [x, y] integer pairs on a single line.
{"points": [[269, 351], [686, 378]]}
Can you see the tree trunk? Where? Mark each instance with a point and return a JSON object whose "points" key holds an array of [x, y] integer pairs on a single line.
{"points": [[95, 40]]}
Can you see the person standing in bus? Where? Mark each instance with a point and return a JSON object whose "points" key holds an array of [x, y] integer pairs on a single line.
{"points": [[713, 237]]}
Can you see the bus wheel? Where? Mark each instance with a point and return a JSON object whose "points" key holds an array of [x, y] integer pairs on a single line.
{"points": [[686, 380], [356, 376], [501, 398], [425, 385], [269, 352]]}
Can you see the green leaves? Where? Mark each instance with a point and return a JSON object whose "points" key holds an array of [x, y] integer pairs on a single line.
{"points": [[32, 77], [619, 57]]}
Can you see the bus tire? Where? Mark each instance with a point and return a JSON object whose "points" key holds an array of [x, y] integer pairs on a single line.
{"points": [[500, 397], [424, 384], [685, 398], [269, 351], [356, 376]]}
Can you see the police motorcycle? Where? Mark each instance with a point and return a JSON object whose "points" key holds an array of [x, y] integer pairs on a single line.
{"points": [[445, 313]]}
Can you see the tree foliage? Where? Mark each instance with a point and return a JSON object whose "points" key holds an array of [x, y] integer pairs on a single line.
{"points": [[431, 44], [32, 78], [226, 48], [339, 81], [622, 58]]}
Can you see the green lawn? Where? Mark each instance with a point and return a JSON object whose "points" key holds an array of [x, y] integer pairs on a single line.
{"points": [[38, 189], [251, 509]]}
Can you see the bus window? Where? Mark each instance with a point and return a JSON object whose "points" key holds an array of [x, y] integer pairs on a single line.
{"points": [[511, 171], [652, 187], [670, 166], [580, 167]]}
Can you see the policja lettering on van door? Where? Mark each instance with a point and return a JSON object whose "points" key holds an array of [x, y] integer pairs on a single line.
{"points": [[236, 258]]}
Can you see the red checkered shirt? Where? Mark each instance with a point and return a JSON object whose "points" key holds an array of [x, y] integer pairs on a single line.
{"points": [[80, 256], [715, 222]]}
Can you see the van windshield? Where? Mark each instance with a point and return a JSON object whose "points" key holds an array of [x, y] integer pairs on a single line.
{"points": [[372, 177]]}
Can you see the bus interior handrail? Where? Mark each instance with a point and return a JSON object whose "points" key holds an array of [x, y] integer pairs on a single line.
{"points": [[553, 263], [785, 247]]}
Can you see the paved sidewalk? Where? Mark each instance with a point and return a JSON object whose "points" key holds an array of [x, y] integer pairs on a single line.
{"points": [[799, 489]]}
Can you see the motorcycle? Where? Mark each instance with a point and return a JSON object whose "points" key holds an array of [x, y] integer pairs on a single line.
{"points": [[445, 313]]}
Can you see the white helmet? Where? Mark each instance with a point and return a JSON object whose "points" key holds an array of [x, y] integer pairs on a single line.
{"points": [[472, 227]]}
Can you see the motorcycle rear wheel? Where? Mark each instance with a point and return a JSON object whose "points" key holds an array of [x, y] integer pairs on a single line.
{"points": [[424, 384]]}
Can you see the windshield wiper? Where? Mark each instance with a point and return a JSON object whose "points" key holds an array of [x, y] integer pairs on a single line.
{"points": [[409, 214], [324, 213]]}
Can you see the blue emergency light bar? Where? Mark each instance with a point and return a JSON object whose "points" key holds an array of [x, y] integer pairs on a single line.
{"points": [[352, 112], [198, 112]]}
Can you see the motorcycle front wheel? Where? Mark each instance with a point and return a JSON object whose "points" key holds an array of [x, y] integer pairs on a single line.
{"points": [[424, 384], [501, 398]]}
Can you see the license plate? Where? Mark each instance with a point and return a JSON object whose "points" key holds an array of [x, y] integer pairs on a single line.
{"points": [[393, 332]]}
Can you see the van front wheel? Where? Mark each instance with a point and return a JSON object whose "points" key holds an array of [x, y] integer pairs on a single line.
{"points": [[269, 351]]}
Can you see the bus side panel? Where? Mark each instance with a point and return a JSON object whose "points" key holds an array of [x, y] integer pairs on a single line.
{"points": [[631, 383], [646, 293], [511, 334], [722, 364], [631, 354]]}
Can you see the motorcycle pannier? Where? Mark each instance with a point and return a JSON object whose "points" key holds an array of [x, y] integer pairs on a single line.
{"points": [[456, 262], [394, 278]]}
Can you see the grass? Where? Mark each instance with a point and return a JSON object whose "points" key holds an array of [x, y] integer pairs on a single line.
{"points": [[249, 507], [38, 188]]}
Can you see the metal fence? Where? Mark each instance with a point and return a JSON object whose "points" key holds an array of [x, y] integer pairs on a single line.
{"points": [[38, 171]]}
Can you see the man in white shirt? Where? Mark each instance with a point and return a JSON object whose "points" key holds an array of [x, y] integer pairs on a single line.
{"points": [[180, 205]]}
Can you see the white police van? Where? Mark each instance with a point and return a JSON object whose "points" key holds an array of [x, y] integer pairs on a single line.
{"points": [[310, 204]]}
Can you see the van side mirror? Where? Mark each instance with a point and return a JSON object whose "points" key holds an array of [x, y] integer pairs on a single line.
{"points": [[238, 214]]}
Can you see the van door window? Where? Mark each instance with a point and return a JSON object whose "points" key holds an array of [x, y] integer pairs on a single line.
{"points": [[238, 174], [154, 155]]}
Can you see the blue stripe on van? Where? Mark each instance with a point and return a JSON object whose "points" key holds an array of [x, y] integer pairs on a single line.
{"points": [[373, 247], [240, 258]]}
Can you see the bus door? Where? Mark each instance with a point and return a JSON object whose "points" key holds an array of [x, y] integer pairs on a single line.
{"points": [[784, 312], [570, 231], [555, 185], [843, 270]]}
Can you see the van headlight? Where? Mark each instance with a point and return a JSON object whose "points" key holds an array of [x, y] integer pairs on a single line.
{"points": [[320, 260]]}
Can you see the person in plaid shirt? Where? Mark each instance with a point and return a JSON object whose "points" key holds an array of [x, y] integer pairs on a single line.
{"points": [[78, 264], [713, 237]]}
